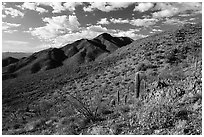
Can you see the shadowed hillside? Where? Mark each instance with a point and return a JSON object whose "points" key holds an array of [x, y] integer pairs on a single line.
{"points": [[99, 97], [74, 54], [9, 60]]}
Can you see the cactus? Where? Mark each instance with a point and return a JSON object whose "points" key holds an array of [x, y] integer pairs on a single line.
{"points": [[126, 99], [118, 97], [137, 84]]}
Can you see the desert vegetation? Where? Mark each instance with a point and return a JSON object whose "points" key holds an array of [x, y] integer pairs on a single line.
{"points": [[152, 86]]}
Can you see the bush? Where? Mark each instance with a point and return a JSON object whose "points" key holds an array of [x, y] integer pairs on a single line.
{"points": [[171, 56], [144, 67]]}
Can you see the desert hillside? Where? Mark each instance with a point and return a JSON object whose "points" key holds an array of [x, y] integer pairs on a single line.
{"points": [[99, 96]]}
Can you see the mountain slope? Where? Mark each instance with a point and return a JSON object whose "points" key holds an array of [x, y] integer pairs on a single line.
{"points": [[74, 54], [170, 101], [9, 60]]}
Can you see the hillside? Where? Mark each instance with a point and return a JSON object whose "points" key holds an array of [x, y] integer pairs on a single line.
{"points": [[99, 97], [74, 54], [9, 60]]}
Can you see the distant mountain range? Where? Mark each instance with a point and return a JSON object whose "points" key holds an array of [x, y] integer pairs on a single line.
{"points": [[74, 54], [17, 55]]}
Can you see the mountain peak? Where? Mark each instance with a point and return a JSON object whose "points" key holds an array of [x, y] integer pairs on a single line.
{"points": [[104, 35]]}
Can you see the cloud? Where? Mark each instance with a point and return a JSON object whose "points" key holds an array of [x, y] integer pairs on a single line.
{"points": [[21, 46], [33, 6], [94, 30], [106, 6], [136, 22], [157, 30], [56, 26], [58, 7], [119, 20], [13, 12], [171, 9], [165, 13], [174, 21], [7, 27], [143, 22], [10, 31], [3, 16], [41, 10], [142, 7], [132, 33], [103, 21], [29, 5], [14, 45], [97, 28], [71, 6], [88, 33], [13, 42]]}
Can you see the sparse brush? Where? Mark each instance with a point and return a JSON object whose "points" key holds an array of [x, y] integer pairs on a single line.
{"points": [[80, 107], [90, 111], [98, 102]]}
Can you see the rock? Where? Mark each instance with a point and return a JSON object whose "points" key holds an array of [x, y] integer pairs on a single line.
{"points": [[113, 102], [32, 125], [49, 122]]}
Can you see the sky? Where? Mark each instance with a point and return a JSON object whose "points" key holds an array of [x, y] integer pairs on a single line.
{"points": [[34, 26]]}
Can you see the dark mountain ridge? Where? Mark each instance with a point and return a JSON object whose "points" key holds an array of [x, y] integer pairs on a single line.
{"points": [[74, 54], [8, 60]]}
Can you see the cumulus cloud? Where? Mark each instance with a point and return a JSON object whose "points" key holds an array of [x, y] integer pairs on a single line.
{"points": [[106, 6], [143, 22], [71, 6], [3, 16], [103, 21], [88, 33], [33, 6], [136, 22], [119, 20], [58, 7], [56, 26], [13, 12], [157, 30], [8, 27], [142, 7], [132, 33], [97, 28], [165, 13], [174, 21], [171, 9]]}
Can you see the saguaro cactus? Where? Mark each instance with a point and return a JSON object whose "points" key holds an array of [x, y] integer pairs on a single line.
{"points": [[118, 97], [126, 96], [137, 84]]}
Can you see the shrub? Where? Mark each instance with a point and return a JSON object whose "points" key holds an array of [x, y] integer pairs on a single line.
{"points": [[89, 114], [144, 66]]}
